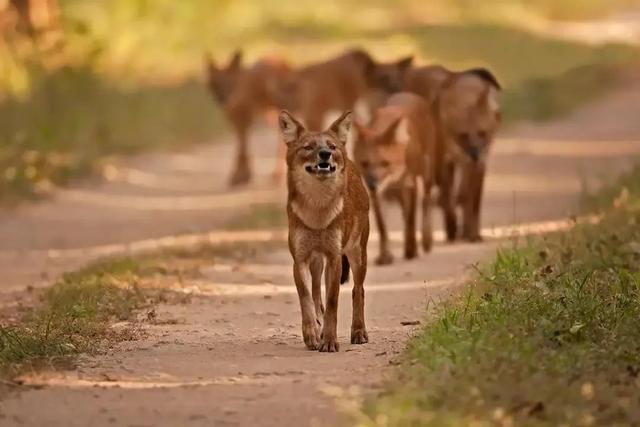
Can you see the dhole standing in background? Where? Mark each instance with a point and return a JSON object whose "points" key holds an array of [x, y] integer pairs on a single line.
{"points": [[244, 94], [328, 210], [468, 119], [467, 115], [396, 153]]}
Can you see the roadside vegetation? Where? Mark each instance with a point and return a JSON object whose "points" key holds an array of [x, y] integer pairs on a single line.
{"points": [[75, 315], [546, 334], [125, 76]]}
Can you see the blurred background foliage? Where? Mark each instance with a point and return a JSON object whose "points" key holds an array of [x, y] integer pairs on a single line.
{"points": [[106, 77]]}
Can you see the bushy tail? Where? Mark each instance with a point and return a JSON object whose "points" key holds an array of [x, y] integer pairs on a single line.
{"points": [[344, 276]]}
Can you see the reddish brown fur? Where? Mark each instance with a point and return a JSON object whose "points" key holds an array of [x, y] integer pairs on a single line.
{"points": [[328, 219], [338, 83], [245, 94], [468, 117], [396, 161]]}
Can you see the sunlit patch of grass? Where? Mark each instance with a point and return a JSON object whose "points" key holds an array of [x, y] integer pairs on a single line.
{"points": [[74, 118], [74, 315], [72, 318], [546, 334]]}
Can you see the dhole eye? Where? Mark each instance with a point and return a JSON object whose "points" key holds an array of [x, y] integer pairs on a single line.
{"points": [[364, 164], [385, 163], [308, 147], [332, 147], [482, 134]]}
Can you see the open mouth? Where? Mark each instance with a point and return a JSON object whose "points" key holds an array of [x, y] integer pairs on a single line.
{"points": [[322, 168]]}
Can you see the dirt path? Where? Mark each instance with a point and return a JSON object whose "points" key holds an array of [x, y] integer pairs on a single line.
{"points": [[233, 355]]}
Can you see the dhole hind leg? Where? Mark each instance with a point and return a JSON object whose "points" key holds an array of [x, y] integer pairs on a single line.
{"points": [[409, 201], [358, 260], [310, 328], [385, 257], [317, 265], [329, 337], [427, 231]]}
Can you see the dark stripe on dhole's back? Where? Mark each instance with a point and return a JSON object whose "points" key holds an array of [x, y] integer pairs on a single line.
{"points": [[344, 276], [485, 75]]}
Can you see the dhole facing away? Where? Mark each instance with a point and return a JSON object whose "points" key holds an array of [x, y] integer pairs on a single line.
{"points": [[339, 83], [396, 153], [244, 94], [328, 210], [468, 116]]}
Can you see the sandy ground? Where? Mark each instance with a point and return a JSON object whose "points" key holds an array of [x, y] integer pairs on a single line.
{"points": [[234, 354]]}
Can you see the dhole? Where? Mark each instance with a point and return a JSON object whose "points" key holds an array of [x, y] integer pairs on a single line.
{"points": [[339, 83], [468, 116], [244, 94], [328, 211], [396, 153]]}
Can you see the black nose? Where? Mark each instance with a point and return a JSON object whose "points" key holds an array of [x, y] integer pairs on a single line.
{"points": [[324, 155]]}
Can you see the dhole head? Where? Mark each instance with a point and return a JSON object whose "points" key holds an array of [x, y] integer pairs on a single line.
{"points": [[381, 154], [222, 80], [472, 123], [389, 77], [320, 155]]}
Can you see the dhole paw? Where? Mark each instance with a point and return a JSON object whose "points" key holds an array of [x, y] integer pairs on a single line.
{"points": [[329, 344], [384, 259], [410, 253], [359, 336], [239, 177], [474, 238], [311, 337]]}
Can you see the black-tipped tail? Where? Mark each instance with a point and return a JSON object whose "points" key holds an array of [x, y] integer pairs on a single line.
{"points": [[344, 276], [485, 75]]}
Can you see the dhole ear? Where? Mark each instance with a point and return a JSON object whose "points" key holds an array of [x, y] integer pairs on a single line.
{"points": [[405, 63], [209, 63], [342, 126], [236, 61], [290, 128], [402, 132], [388, 136], [488, 101]]}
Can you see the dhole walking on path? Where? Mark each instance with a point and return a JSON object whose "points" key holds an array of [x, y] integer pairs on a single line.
{"points": [[396, 153], [328, 210]]}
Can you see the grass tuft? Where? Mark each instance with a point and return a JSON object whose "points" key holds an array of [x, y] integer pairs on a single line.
{"points": [[72, 318]]}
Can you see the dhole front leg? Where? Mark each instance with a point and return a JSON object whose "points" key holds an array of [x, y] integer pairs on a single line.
{"points": [[316, 266], [310, 327], [474, 180], [242, 172], [447, 202], [358, 260], [385, 257], [409, 202], [329, 338]]}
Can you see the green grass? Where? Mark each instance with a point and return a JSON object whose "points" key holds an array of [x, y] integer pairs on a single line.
{"points": [[74, 315], [74, 119], [72, 318], [547, 334]]}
